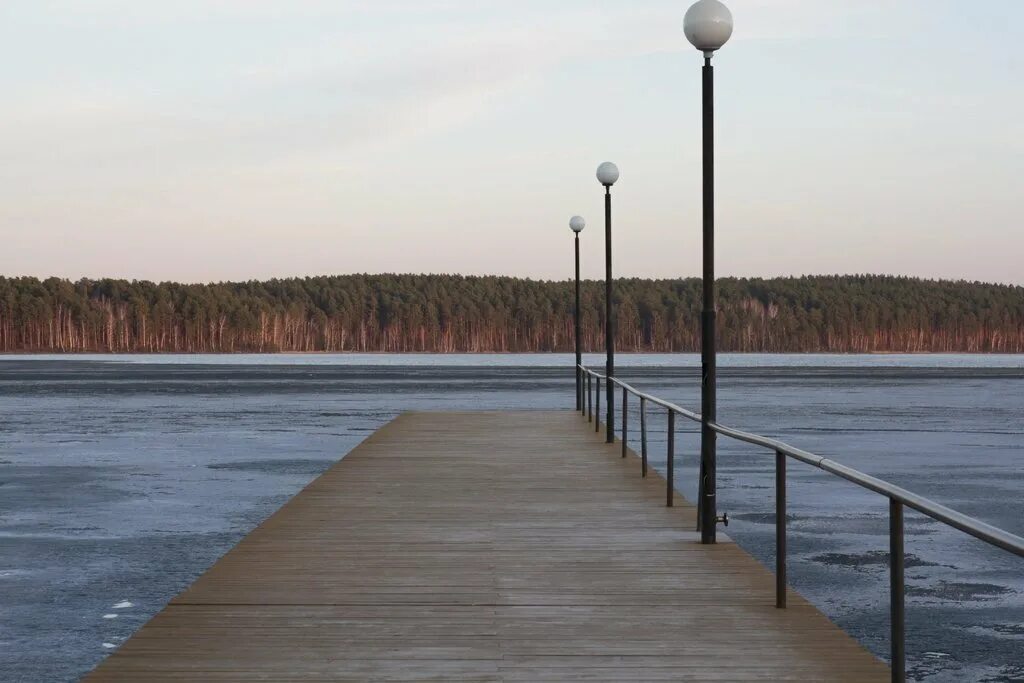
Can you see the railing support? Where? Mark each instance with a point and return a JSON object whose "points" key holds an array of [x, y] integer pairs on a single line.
{"points": [[643, 437], [896, 593], [700, 496], [590, 398], [780, 530], [625, 422], [597, 410], [671, 459], [579, 390]]}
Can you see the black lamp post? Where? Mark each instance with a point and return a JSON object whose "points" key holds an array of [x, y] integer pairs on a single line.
{"points": [[708, 25], [607, 174], [576, 224]]}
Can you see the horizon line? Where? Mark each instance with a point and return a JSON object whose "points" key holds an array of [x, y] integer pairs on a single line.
{"points": [[894, 276]]}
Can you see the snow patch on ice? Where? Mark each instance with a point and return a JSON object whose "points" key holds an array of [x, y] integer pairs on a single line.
{"points": [[7, 573]]}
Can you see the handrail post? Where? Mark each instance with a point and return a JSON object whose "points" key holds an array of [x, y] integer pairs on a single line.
{"points": [[590, 399], [625, 421], [643, 437], [579, 390], [597, 410], [700, 497], [896, 592], [671, 459], [780, 530]]}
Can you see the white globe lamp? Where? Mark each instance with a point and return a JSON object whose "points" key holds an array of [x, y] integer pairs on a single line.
{"points": [[607, 173], [708, 25]]}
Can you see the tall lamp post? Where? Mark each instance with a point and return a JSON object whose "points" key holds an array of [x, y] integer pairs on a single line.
{"points": [[708, 25], [607, 174], [576, 224]]}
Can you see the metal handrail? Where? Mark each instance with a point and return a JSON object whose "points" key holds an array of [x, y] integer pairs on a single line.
{"points": [[969, 525], [980, 530], [898, 498]]}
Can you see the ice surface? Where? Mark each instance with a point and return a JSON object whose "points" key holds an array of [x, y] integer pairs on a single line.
{"points": [[130, 476]]}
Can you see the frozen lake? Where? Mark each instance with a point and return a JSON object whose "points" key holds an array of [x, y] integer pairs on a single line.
{"points": [[124, 478]]}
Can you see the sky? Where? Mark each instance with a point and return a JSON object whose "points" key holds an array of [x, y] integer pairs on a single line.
{"points": [[210, 140]]}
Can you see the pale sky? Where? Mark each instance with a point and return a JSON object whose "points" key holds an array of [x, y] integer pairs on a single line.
{"points": [[203, 140]]}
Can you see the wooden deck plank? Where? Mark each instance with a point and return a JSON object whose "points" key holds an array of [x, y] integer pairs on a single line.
{"points": [[486, 547]]}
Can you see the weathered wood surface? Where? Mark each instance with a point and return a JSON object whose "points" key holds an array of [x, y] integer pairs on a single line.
{"points": [[486, 547]]}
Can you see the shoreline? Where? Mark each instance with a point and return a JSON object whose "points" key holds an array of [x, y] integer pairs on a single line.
{"points": [[72, 354]]}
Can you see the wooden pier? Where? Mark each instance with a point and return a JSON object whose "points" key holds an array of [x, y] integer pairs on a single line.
{"points": [[486, 547]]}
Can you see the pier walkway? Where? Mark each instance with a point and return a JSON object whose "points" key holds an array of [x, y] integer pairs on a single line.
{"points": [[487, 547]]}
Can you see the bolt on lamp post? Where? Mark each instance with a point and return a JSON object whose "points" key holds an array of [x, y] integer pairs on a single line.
{"points": [[576, 224], [708, 26], [607, 174]]}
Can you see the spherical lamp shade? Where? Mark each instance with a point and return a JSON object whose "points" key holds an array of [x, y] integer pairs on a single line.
{"points": [[607, 173], [577, 223], [708, 25]]}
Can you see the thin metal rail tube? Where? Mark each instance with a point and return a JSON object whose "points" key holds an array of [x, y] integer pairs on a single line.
{"points": [[625, 422], [678, 410], [643, 437], [590, 398], [597, 409], [700, 495], [581, 402], [897, 615], [780, 530], [671, 460]]}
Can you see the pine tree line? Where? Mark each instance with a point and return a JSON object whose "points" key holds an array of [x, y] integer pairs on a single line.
{"points": [[452, 313]]}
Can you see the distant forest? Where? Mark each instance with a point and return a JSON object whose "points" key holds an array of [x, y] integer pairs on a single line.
{"points": [[452, 313]]}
